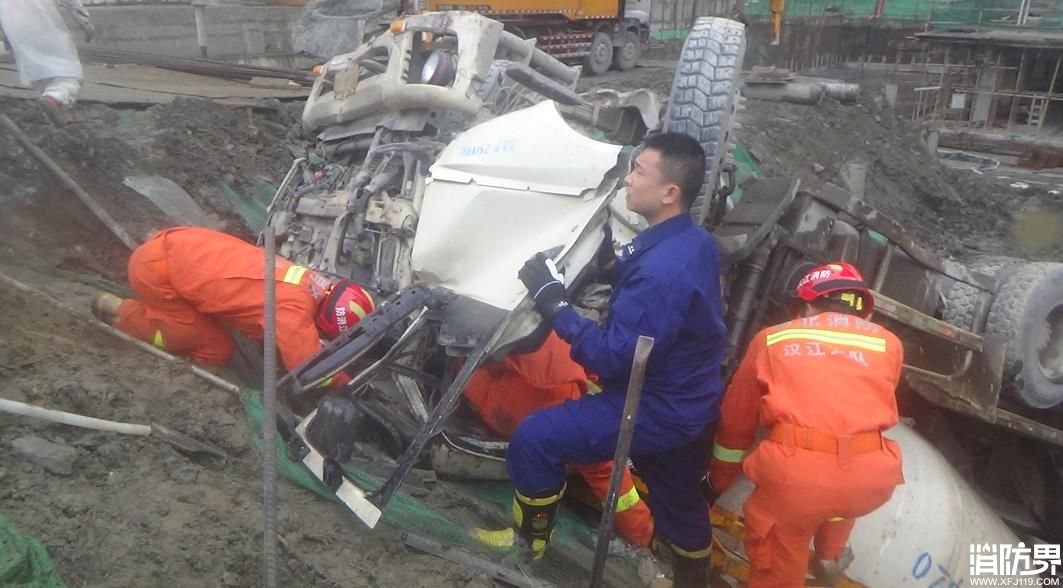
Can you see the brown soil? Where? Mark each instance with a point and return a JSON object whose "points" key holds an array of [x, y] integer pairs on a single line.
{"points": [[136, 512]]}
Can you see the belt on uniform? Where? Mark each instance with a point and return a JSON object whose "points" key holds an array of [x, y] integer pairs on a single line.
{"points": [[791, 436]]}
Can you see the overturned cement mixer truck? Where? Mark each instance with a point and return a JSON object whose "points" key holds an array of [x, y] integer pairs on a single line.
{"points": [[443, 141]]}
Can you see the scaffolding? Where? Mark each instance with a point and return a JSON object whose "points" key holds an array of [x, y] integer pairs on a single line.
{"points": [[987, 81]]}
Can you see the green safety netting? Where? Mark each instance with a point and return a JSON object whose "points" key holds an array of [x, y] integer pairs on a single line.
{"points": [[937, 14], [24, 562], [404, 511], [250, 206], [745, 167], [408, 513]]}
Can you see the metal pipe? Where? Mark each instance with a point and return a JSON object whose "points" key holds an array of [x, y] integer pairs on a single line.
{"points": [[440, 413], [746, 293], [1024, 12], [199, 11], [883, 268], [538, 58], [297, 166], [795, 92], [368, 373], [623, 447], [159, 353], [72, 419], [67, 181], [775, 263], [269, 418], [467, 560]]}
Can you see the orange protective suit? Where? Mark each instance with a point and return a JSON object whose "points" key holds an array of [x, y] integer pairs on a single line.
{"points": [[505, 392], [824, 388], [192, 282]]}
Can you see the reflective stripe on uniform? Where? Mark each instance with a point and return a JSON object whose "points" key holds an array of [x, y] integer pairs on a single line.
{"points": [[835, 337], [699, 554], [835, 519], [545, 501], [593, 387], [628, 500], [158, 340], [727, 455], [294, 275]]}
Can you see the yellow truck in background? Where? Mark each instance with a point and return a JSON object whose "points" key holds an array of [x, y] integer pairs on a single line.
{"points": [[597, 33]]}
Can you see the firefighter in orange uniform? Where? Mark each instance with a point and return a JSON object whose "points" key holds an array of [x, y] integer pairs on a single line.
{"points": [[193, 282], [823, 386], [505, 392]]}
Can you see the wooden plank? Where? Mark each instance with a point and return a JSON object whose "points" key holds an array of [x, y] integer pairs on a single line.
{"points": [[207, 67], [149, 85]]}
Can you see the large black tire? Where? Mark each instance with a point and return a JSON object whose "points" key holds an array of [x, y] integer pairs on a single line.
{"points": [[962, 299], [600, 57], [704, 95], [1028, 313], [626, 56]]}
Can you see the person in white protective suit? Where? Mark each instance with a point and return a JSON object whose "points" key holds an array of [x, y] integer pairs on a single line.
{"points": [[44, 49]]}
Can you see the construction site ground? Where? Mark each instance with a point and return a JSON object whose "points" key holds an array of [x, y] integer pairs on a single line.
{"points": [[133, 511]]}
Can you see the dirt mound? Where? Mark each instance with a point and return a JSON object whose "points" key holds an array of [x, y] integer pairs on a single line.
{"points": [[207, 148], [953, 212]]}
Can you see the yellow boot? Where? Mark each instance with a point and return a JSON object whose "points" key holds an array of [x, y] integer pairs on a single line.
{"points": [[535, 519]]}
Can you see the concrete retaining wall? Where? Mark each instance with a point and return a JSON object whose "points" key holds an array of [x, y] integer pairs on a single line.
{"points": [[233, 32]]}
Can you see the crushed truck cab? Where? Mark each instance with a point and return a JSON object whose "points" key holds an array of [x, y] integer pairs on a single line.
{"points": [[441, 142]]}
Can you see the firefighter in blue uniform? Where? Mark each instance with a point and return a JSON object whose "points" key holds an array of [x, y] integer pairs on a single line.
{"points": [[666, 286]]}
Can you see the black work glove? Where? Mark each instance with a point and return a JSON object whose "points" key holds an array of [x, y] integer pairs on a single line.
{"points": [[545, 284]]}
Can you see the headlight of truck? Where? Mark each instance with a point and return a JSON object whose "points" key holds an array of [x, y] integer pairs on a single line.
{"points": [[438, 69]]}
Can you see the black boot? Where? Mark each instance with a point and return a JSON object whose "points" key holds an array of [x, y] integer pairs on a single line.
{"points": [[691, 570]]}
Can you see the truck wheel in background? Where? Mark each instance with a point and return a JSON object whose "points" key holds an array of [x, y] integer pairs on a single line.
{"points": [[962, 299], [1028, 313], [704, 96], [601, 56], [626, 56]]}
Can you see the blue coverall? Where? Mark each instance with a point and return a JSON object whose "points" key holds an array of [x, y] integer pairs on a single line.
{"points": [[666, 286]]}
